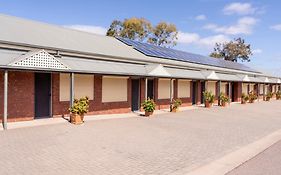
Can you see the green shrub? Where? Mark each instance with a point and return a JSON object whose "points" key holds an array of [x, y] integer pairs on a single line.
{"points": [[148, 105], [252, 97], [244, 97], [269, 95], [176, 103], [80, 106], [223, 98], [208, 97]]}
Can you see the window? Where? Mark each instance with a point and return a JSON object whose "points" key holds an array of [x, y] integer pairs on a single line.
{"points": [[223, 88], [163, 89], [183, 88], [245, 88], [212, 87], [114, 89], [83, 86]]}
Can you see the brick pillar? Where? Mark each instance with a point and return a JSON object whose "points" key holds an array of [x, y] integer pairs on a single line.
{"points": [[238, 91], [142, 89]]}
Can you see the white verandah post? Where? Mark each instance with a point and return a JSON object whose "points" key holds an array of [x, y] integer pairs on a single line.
{"points": [[171, 94], [5, 116], [229, 92], [71, 99], [145, 89]]}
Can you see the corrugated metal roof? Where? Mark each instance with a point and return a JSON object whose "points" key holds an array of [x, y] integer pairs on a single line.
{"points": [[255, 79], [185, 73], [228, 77], [103, 67], [24, 31]]}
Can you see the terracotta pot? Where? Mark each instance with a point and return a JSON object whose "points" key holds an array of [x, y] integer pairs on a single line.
{"points": [[223, 104], [76, 119], [208, 104], [175, 109], [147, 114]]}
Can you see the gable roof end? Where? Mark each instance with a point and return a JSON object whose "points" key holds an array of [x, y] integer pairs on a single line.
{"points": [[39, 59]]}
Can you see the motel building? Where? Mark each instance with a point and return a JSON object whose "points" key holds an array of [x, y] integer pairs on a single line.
{"points": [[44, 67]]}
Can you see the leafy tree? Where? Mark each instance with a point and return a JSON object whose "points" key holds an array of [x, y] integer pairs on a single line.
{"points": [[136, 28], [133, 28], [233, 51], [164, 34], [115, 28], [140, 29]]}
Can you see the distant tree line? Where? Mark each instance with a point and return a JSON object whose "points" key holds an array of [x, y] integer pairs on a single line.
{"points": [[163, 34], [166, 35]]}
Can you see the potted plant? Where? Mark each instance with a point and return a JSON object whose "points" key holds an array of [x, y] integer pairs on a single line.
{"points": [[78, 110], [176, 104], [209, 99], [268, 96], [278, 95], [149, 107], [223, 99], [252, 97], [244, 98]]}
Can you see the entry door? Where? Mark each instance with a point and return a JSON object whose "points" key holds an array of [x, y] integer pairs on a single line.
{"points": [[202, 91], [42, 95], [194, 92], [150, 89], [233, 96], [135, 94]]}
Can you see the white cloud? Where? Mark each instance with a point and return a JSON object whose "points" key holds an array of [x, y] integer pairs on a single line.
{"points": [[276, 27], [187, 38], [194, 38], [257, 51], [239, 8], [212, 40], [88, 28], [243, 26], [201, 17]]}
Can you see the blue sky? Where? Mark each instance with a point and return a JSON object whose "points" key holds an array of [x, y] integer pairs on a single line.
{"points": [[201, 23]]}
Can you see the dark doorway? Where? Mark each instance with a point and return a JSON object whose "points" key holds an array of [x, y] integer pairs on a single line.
{"points": [[150, 89], [202, 91], [42, 95], [233, 95], [135, 94], [194, 92]]}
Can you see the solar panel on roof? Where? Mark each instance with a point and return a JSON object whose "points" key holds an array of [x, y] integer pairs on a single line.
{"points": [[168, 53]]}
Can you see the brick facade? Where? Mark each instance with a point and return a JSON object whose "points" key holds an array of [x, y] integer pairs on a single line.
{"points": [[96, 105], [20, 96]]}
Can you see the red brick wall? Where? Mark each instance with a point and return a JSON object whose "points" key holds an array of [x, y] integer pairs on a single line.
{"points": [[96, 105], [20, 96]]}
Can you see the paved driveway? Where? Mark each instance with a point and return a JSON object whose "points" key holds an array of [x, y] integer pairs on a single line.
{"points": [[166, 144]]}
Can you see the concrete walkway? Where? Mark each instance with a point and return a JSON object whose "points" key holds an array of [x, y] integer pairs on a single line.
{"points": [[267, 162], [52, 121], [168, 143]]}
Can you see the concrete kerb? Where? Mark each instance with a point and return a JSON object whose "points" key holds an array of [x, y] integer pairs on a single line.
{"points": [[231, 161]]}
